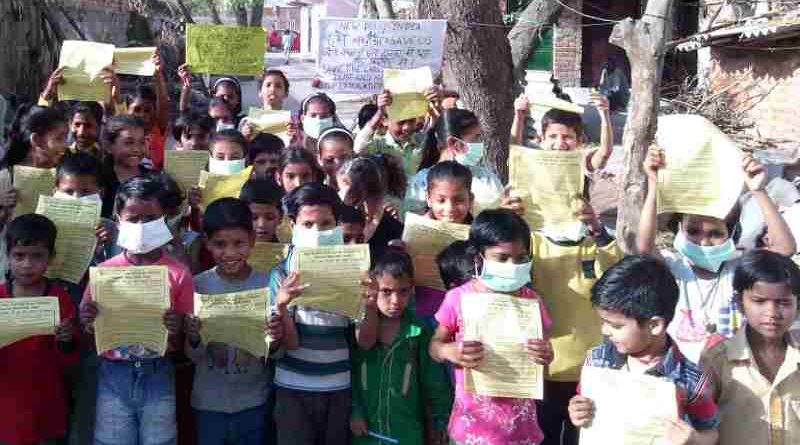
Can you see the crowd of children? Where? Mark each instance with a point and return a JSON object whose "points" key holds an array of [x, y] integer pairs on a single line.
{"points": [[712, 319]]}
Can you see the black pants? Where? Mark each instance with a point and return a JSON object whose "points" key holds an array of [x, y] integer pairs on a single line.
{"points": [[553, 415]]}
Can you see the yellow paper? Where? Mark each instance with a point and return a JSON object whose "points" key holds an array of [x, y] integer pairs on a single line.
{"points": [[425, 238], [76, 242], [550, 182], [184, 166], [134, 61], [629, 408], [83, 62], [334, 274], [503, 323], [545, 103], [216, 186], [265, 256], [407, 88], [30, 182], [235, 319], [131, 302], [219, 49], [23, 317], [703, 173], [270, 121], [284, 230]]}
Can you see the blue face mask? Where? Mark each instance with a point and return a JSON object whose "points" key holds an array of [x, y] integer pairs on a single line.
{"points": [[304, 237], [221, 167], [473, 155], [709, 258], [505, 277], [314, 126]]}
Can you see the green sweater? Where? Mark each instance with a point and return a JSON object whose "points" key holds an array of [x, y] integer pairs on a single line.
{"points": [[393, 386]]}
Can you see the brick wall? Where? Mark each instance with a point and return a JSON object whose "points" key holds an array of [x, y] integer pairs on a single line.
{"points": [[567, 46]]}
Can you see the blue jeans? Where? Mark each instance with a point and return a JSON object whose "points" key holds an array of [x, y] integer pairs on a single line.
{"points": [[135, 403], [243, 428]]}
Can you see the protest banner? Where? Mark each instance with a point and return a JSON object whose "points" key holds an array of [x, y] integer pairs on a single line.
{"points": [[354, 52], [216, 49]]}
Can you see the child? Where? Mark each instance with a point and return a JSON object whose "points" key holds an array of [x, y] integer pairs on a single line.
{"points": [[264, 154], [754, 374], [352, 221], [399, 366], [230, 90], [636, 300], [84, 128], [34, 397], [124, 140], [221, 113], [318, 113], [193, 130], [135, 385], [455, 266], [227, 154], [334, 147], [455, 137], [231, 386], [274, 90], [706, 258], [313, 399], [37, 138], [263, 197], [297, 167], [448, 194], [500, 246], [150, 105]]}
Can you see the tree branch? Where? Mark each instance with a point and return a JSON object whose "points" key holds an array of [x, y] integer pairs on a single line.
{"points": [[212, 8], [523, 36], [385, 9], [185, 11], [256, 12], [69, 18]]}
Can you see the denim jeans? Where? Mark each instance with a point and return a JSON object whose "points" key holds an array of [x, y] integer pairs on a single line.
{"points": [[243, 428], [135, 403]]}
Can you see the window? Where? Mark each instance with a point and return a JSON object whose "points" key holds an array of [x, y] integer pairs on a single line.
{"points": [[542, 58]]}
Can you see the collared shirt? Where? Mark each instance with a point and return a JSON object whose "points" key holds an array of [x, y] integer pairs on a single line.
{"points": [[695, 399], [753, 409], [410, 152]]}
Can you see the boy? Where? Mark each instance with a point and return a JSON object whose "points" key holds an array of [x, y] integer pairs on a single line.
{"points": [[313, 377], [636, 300], [231, 386], [33, 404], [353, 222], [263, 197], [84, 128], [193, 130], [264, 154], [755, 375], [400, 366]]}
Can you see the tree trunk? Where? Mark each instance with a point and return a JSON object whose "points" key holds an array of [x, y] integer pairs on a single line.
{"points": [[30, 47], [523, 36], [385, 9], [256, 13], [644, 42], [367, 9], [240, 11], [212, 8], [478, 58]]}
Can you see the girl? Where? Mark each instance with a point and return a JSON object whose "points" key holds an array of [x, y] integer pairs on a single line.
{"points": [[500, 245], [125, 142], [334, 147], [455, 137], [135, 387], [37, 138], [229, 90], [705, 258], [297, 167], [318, 113], [227, 154], [219, 110]]}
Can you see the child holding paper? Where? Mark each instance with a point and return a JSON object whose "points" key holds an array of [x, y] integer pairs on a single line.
{"points": [[37, 138], [33, 405], [411, 375], [334, 147], [313, 398], [318, 113], [150, 104], [274, 90], [264, 154], [193, 130], [636, 300], [124, 141], [263, 197], [135, 385], [705, 257], [754, 374], [499, 243], [84, 128], [231, 386]]}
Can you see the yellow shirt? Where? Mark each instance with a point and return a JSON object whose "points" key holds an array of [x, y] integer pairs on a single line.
{"points": [[753, 410], [563, 275]]}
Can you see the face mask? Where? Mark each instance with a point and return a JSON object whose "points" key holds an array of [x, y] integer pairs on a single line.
{"points": [[473, 155], [139, 238], [314, 126], [223, 126], [94, 197], [505, 277], [709, 258], [303, 237], [565, 233], [220, 167], [460, 104]]}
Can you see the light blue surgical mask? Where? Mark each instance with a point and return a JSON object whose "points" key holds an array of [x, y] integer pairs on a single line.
{"points": [[305, 237], [314, 126], [709, 258], [473, 155], [505, 277], [222, 167]]}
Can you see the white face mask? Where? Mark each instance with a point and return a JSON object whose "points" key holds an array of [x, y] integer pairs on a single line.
{"points": [[565, 233], [314, 126], [223, 126], [139, 238], [94, 197], [221, 167], [303, 237]]}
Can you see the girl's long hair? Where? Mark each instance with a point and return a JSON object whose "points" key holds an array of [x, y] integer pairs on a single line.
{"points": [[453, 122]]}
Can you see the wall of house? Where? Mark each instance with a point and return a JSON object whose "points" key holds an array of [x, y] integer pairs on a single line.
{"points": [[567, 46]]}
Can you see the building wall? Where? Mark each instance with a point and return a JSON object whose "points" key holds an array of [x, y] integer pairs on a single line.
{"points": [[567, 46]]}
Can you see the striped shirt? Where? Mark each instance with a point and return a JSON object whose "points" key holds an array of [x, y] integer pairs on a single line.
{"points": [[321, 363]]}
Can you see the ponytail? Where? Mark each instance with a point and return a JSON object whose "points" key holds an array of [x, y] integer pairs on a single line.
{"points": [[453, 122], [29, 120]]}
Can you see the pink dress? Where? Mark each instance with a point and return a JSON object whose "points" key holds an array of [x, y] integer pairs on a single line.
{"points": [[487, 420]]}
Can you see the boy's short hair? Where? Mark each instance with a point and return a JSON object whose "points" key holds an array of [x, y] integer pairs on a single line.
{"points": [[566, 118], [456, 265], [271, 72], [450, 171], [230, 135], [227, 213], [366, 113], [171, 196], [494, 226], [189, 119], [92, 109], [262, 191], [264, 143], [351, 215], [395, 262], [143, 187], [78, 164], [311, 194], [638, 287], [767, 267], [29, 230]]}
